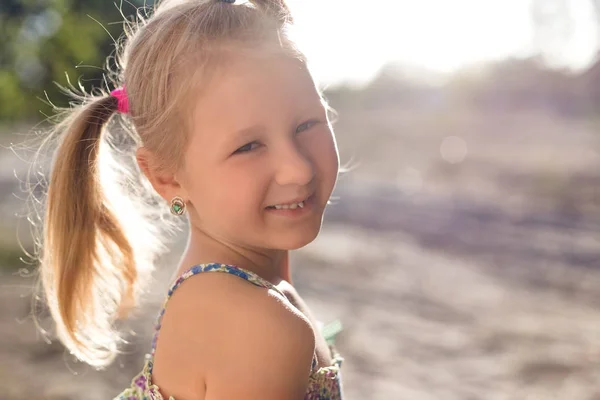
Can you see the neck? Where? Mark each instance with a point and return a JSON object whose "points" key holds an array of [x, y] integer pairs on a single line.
{"points": [[202, 248]]}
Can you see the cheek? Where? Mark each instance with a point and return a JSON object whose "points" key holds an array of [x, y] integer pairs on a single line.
{"points": [[325, 156], [229, 194], [238, 189]]}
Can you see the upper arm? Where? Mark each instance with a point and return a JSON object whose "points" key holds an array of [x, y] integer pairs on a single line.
{"points": [[240, 340], [267, 349]]}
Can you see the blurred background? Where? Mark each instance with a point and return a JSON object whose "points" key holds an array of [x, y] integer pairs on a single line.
{"points": [[462, 252]]}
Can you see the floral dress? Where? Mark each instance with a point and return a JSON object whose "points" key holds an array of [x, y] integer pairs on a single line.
{"points": [[323, 384]]}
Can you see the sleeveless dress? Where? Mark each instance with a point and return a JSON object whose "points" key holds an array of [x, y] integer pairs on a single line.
{"points": [[323, 383]]}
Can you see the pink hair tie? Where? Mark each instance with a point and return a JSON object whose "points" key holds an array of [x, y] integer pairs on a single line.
{"points": [[123, 102]]}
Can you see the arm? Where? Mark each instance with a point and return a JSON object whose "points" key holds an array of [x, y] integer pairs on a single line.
{"points": [[267, 353]]}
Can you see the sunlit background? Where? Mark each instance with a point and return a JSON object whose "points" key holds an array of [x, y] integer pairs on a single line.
{"points": [[351, 40], [462, 250]]}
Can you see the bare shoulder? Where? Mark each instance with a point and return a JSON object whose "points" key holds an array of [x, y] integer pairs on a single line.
{"points": [[237, 340]]}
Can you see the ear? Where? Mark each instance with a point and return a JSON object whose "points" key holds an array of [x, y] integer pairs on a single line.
{"points": [[163, 181]]}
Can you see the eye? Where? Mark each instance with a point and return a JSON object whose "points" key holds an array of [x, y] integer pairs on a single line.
{"points": [[306, 125], [247, 147]]}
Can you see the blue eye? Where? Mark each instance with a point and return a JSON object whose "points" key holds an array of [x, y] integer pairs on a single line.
{"points": [[246, 148], [306, 125]]}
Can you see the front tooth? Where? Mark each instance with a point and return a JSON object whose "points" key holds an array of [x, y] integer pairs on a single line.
{"points": [[285, 207], [278, 207], [294, 206]]}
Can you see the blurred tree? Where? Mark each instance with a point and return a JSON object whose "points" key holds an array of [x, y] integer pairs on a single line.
{"points": [[45, 39]]}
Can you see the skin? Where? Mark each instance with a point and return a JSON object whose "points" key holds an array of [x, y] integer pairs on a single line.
{"points": [[260, 137]]}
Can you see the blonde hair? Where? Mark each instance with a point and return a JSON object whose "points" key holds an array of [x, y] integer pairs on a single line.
{"points": [[97, 248]]}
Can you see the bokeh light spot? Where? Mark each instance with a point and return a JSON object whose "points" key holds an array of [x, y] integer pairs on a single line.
{"points": [[453, 149]]}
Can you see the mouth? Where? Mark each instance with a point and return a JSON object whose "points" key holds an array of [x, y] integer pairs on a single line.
{"points": [[297, 204], [289, 206]]}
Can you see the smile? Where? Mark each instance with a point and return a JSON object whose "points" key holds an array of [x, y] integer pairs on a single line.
{"points": [[297, 207], [291, 206]]}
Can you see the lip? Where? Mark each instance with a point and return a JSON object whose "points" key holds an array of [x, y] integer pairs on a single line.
{"points": [[297, 200]]}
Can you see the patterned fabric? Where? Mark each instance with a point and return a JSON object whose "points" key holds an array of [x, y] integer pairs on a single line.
{"points": [[324, 383]]}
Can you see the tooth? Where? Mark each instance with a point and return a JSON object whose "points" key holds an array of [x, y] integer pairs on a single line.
{"points": [[301, 204], [285, 207], [294, 206], [278, 207]]}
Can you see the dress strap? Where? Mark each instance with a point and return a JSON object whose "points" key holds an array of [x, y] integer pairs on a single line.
{"points": [[213, 267]]}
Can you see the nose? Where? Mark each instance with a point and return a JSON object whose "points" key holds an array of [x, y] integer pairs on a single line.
{"points": [[293, 166]]}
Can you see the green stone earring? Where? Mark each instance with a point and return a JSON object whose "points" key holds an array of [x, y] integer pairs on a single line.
{"points": [[177, 206]]}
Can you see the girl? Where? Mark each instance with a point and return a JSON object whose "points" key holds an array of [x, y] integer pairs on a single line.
{"points": [[231, 131]]}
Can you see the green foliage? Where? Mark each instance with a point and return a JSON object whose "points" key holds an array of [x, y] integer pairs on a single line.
{"points": [[44, 41], [11, 258], [12, 100]]}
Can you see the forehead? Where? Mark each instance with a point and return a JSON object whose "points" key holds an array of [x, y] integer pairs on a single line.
{"points": [[249, 88]]}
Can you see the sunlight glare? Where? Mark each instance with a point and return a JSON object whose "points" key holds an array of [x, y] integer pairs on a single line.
{"points": [[348, 40]]}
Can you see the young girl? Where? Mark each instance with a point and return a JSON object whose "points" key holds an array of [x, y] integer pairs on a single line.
{"points": [[232, 133]]}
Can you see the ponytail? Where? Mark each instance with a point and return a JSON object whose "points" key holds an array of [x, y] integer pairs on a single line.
{"points": [[88, 266]]}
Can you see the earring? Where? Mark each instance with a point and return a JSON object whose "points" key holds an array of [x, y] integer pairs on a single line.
{"points": [[177, 206]]}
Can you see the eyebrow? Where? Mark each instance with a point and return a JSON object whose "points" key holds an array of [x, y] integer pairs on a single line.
{"points": [[248, 132]]}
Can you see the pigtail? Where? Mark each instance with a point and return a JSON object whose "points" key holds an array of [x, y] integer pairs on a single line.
{"points": [[88, 268]]}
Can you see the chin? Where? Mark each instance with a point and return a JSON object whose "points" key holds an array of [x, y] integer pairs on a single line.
{"points": [[297, 240]]}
